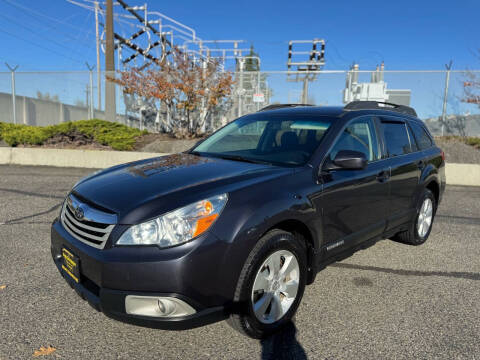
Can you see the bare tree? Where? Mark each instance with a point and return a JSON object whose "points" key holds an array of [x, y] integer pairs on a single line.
{"points": [[47, 96], [455, 124], [471, 86]]}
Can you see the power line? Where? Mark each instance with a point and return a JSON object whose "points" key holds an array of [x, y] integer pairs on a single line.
{"points": [[37, 13], [36, 33], [77, 40], [86, 35], [39, 46], [48, 24]]}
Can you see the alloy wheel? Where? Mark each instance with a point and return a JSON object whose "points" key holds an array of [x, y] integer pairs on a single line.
{"points": [[276, 286], [425, 217]]}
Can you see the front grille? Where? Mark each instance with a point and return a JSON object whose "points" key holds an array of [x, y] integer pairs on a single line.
{"points": [[93, 228]]}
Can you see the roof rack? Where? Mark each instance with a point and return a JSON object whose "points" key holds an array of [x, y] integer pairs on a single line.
{"points": [[365, 105], [278, 106]]}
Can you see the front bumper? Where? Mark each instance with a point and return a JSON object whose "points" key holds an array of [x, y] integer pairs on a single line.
{"points": [[100, 269], [112, 304]]}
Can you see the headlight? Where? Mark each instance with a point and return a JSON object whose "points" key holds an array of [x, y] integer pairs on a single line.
{"points": [[178, 226]]}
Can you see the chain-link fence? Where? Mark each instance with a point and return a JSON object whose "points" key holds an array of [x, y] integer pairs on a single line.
{"points": [[47, 98]]}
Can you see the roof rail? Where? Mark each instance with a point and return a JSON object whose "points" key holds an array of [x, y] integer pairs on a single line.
{"points": [[278, 106], [369, 105]]}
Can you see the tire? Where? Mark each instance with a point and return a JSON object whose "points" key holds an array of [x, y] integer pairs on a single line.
{"points": [[417, 235], [276, 244]]}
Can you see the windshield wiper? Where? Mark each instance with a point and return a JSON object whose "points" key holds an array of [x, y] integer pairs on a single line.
{"points": [[241, 158]]}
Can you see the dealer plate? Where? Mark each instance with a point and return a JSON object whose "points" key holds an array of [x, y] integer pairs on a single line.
{"points": [[71, 264]]}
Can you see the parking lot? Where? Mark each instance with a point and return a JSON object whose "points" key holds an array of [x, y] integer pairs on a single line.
{"points": [[389, 301]]}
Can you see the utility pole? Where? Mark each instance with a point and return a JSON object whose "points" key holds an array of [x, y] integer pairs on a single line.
{"points": [[91, 107], [14, 110], [87, 99], [240, 86], [445, 95], [110, 108], [305, 91], [99, 80], [258, 86]]}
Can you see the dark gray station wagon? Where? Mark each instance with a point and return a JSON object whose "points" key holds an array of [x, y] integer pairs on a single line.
{"points": [[236, 227]]}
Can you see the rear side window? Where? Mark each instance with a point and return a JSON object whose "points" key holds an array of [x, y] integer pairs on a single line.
{"points": [[423, 140], [396, 138]]}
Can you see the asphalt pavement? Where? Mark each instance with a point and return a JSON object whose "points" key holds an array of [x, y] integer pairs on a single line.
{"points": [[389, 301]]}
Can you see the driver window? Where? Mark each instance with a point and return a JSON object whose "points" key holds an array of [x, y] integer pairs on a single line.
{"points": [[360, 136]]}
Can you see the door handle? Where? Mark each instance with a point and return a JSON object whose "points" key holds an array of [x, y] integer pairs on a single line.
{"points": [[383, 176]]}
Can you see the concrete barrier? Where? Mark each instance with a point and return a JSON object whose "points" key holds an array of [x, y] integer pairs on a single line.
{"points": [[5, 155], [457, 174], [463, 174], [95, 159]]}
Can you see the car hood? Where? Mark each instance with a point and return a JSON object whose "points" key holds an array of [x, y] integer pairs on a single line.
{"points": [[140, 190]]}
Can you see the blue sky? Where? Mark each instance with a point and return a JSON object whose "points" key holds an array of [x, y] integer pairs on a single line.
{"points": [[56, 35]]}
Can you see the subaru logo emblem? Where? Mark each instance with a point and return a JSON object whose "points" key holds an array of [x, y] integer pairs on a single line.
{"points": [[79, 214]]}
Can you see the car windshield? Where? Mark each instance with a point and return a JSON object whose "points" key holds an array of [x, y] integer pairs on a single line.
{"points": [[277, 140]]}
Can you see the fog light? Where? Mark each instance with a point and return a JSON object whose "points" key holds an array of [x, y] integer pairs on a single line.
{"points": [[156, 306], [166, 307], [162, 307]]}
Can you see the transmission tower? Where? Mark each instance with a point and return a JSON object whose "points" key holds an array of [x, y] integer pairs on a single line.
{"points": [[303, 65], [152, 36]]}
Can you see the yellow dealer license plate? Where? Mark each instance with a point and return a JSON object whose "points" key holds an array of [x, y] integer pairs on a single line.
{"points": [[70, 264]]}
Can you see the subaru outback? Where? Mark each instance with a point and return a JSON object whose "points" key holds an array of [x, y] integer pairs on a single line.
{"points": [[236, 227]]}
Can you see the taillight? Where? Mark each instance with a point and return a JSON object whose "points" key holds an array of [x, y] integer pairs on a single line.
{"points": [[443, 156]]}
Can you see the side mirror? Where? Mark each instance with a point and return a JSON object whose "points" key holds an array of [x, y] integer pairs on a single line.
{"points": [[347, 160]]}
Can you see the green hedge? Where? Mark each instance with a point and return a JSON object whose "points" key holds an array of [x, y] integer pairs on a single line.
{"points": [[473, 141], [117, 136]]}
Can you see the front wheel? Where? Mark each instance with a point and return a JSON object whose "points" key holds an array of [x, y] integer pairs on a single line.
{"points": [[271, 285]]}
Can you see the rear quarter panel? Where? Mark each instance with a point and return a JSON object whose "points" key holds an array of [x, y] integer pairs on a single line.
{"points": [[434, 169]]}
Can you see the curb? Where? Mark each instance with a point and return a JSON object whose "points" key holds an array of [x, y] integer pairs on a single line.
{"points": [[457, 174]]}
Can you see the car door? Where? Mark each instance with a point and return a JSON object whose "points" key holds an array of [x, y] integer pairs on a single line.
{"points": [[405, 162], [355, 203]]}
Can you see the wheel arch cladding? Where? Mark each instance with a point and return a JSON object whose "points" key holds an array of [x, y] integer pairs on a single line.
{"points": [[301, 231], [435, 189]]}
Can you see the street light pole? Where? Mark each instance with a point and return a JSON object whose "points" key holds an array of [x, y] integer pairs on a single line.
{"points": [[90, 107], [445, 96], [14, 110]]}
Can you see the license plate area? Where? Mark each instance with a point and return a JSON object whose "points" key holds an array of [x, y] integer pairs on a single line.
{"points": [[71, 264]]}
